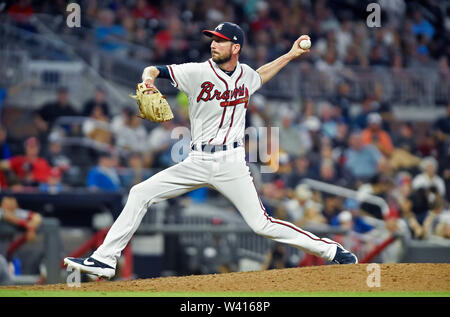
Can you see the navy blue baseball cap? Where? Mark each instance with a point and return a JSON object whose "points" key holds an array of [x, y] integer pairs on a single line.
{"points": [[228, 31]]}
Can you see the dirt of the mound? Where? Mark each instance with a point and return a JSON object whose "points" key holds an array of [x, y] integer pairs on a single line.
{"points": [[393, 277]]}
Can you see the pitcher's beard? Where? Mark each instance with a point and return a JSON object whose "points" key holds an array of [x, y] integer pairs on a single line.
{"points": [[221, 60]]}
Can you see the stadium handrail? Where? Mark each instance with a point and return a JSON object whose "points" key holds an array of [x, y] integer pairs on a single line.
{"points": [[348, 193]]}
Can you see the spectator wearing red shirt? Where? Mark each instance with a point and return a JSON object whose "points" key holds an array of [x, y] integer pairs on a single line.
{"points": [[25, 220], [30, 168], [144, 10], [21, 13]]}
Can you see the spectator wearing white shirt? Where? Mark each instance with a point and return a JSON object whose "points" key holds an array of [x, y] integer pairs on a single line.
{"points": [[159, 143], [428, 177], [129, 133]]}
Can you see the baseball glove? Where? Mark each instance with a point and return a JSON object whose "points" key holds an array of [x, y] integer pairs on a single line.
{"points": [[153, 106]]}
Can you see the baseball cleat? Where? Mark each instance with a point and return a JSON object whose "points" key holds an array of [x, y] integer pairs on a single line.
{"points": [[91, 266], [344, 257]]}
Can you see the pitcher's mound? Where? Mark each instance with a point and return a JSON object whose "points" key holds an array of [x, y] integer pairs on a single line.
{"points": [[392, 277]]}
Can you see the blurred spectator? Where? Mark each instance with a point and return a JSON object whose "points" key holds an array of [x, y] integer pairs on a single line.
{"points": [[428, 177], [379, 185], [374, 135], [26, 220], [421, 25], [351, 218], [345, 220], [328, 173], [285, 167], [182, 111], [301, 169], [288, 134], [382, 106], [55, 155], [312, 215], [129, 133], [108, 34], [442, 228], [21, 13], [362, 161], [402, 157], [104, 176], [328, 120], [99, 100], [331, 207], [344, 37], [144, 10], [342, 100], [159, 142], [433, 218], [404, 138], [368, 106], [5, 151], [135, 172], [330, 67], [442, 125], [97, 127], [296, 207], [30, 168], [54, 184], [379, 56], [276, 258], [255, 115], [46, 116], [354, 56]]}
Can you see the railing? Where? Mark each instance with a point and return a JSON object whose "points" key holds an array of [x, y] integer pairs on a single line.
{"points": [[348, 193]]}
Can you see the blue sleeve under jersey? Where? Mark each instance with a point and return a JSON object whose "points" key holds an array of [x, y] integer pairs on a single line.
{"points": [[163, 72]]}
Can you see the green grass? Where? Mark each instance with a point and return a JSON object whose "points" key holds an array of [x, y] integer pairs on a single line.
{"points": [[80, 293]]}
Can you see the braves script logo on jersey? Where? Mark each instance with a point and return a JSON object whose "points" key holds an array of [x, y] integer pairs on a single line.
{"points": [[207, 94]]}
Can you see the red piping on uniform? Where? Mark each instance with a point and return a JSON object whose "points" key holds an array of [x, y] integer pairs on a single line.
{"points": [[231, 123], [285, 224], [221, 121], [173, 76], [234, 109]]}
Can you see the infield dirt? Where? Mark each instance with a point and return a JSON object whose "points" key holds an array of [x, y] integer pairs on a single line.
{"points": [[426, 277]]}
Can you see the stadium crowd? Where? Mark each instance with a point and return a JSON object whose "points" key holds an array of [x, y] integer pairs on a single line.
{"points": [[408, 36], [373, 152]]}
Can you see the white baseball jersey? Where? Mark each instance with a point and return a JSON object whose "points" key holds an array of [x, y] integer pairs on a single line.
{"points": [[217, 102]]}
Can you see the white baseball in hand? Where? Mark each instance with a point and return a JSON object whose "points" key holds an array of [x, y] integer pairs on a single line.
{"points": [[305, 44]]}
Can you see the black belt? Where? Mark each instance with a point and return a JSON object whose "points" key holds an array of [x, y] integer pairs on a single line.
{"points": [[211, 148]]}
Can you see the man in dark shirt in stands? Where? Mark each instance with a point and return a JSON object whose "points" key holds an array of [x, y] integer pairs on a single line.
{"points": [[46, 116], [442, 124], [98, 100]]}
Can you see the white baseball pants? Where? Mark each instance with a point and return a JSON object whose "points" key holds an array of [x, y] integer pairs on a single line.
{"points": [[228, 173]]}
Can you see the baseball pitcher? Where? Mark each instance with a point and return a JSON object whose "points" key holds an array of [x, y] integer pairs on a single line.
{"points": [[218, 90]]}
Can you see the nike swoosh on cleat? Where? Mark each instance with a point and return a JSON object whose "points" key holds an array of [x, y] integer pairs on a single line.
{"points": [[87, 262]]}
